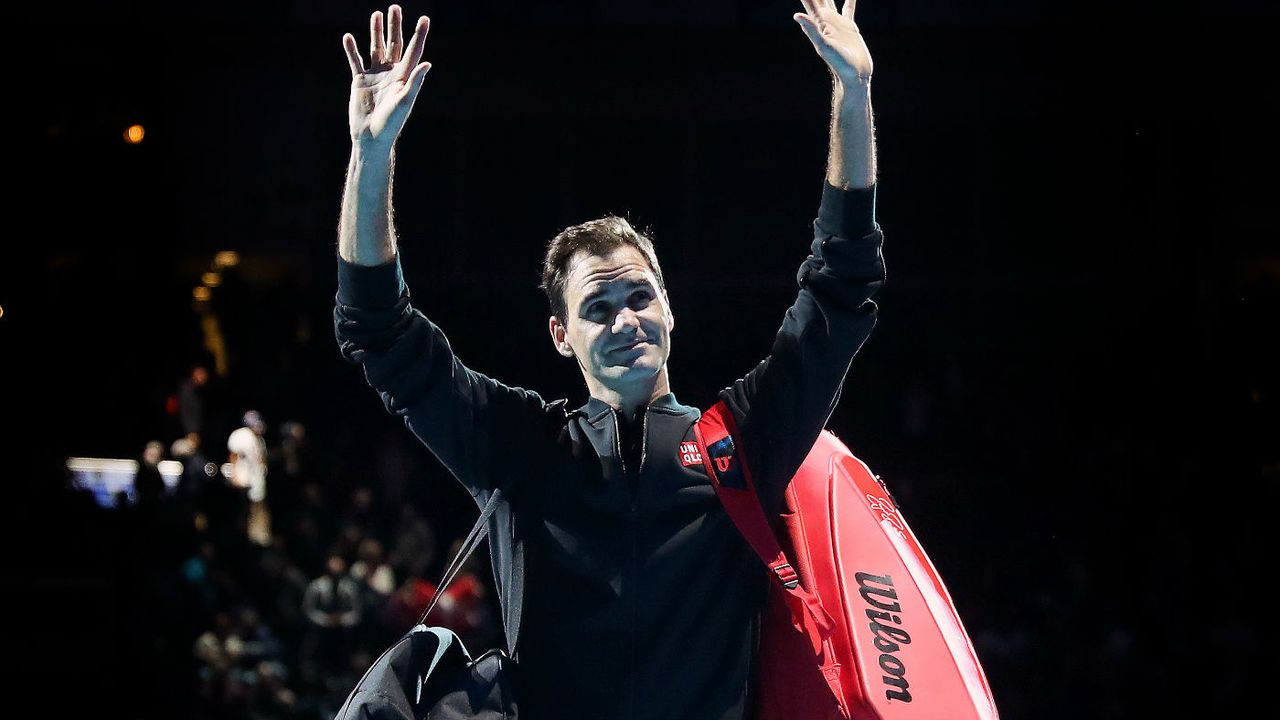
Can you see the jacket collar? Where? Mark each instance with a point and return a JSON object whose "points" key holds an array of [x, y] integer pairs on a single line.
{"points": [[595, 408]]}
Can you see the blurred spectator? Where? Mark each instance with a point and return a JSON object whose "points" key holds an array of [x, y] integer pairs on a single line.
{"points": [[195, 476], [309, 541], [348, 541], [360, 512], [293, 446], [218, 651], [464, 605], [248, 458], [405, 606], [280, 592], [377, 582], [148, 483], [191, 406], [288, 468], [269, 696], [257, 641], [371, 571], [332, 606], [195, 571], [414, 548]]}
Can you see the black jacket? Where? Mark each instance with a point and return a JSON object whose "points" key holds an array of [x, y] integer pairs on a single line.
{"points": [[641, 598]]}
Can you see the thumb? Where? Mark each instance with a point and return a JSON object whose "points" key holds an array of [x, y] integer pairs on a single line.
{"points": [[806, 25], [414, 84], [418, 74]]}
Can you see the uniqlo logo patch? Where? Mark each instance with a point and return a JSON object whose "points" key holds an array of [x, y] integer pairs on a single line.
{"points": [[689, 454]]}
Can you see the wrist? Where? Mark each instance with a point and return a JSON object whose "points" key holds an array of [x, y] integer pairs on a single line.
{"points": [[851, 94], [370, 167], [372, 153]]}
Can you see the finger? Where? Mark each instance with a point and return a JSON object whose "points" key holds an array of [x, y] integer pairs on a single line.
{"points": [[811, 9], [849, 8], [377, 47], [417, 42], [353, 54], [395, 33]]}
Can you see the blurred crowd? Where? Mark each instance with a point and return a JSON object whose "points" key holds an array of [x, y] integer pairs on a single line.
{"points": [[253, 590]]}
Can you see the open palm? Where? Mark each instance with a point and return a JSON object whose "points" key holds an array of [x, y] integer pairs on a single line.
{"points": [[383, 93], [835, 36]]}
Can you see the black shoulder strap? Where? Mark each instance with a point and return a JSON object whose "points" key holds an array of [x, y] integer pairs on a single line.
{"points": [[516, 594], [478, 532]]}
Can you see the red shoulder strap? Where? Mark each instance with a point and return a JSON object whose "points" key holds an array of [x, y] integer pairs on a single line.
{"points": [[726, 465]]}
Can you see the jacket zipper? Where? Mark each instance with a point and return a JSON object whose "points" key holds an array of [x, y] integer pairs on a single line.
{"points": [[635, 569], [635, 563]]}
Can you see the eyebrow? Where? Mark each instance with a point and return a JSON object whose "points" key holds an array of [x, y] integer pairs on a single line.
{"points": [[602, 290]]}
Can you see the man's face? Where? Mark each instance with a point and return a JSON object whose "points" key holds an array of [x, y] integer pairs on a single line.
{"points": [[619, 323]]}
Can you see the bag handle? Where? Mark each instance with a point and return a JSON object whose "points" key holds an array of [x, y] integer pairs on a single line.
{"points": [[516, 594], [478, 532]]}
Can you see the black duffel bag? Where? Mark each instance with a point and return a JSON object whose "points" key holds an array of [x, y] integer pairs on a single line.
{"points": [[428, 674]]}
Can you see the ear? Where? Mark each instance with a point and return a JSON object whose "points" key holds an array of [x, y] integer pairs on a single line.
{"points": [[559, 337]]}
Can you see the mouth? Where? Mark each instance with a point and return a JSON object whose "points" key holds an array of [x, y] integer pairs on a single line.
{"points": [[632, 346]]}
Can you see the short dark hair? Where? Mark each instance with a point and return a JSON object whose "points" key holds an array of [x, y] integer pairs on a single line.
{"points": [[598, 237]]}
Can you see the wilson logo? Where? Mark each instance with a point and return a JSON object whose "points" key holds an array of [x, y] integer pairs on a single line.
{"points": [[887, 634]]}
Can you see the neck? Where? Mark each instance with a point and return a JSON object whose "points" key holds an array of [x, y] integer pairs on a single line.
{"points": [[630, 400]]}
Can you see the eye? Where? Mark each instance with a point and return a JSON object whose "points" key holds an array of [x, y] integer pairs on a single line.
{"points": [[601, 305]]}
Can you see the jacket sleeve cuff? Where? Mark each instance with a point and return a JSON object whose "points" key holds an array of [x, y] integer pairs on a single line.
{"points": [[370, 286], [849, 214]]}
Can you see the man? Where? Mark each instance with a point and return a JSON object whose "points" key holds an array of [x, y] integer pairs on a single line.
{"points": [[247, 455], [332, 606], [641, 599]]}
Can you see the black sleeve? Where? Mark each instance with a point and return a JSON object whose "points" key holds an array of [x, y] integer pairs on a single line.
{"points": [[471, 422], [783, 403]]}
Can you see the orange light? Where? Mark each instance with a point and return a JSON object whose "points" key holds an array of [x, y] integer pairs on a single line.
{"points": [[134, 134], [211, 279], [226, 258], [201, 293]]}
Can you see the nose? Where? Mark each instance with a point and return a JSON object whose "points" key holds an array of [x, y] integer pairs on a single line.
{"points": [[626, 317]]}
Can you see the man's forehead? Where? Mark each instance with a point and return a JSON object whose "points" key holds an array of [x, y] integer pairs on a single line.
{"points": [[621, 265]]}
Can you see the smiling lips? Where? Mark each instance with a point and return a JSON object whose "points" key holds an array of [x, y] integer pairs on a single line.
{"points": [[632, 346]]}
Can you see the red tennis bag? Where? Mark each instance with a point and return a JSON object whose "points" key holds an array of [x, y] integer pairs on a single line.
{"points": [[858, 625]]}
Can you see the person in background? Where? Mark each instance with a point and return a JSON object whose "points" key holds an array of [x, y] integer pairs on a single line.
{"points": [[248, 459], [191, 406], [332, 606], [194, 479], [148, 483], [377, 581]]}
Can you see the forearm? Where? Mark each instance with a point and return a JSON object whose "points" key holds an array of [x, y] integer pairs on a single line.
{"points": [[851, 162], [366, 232]]}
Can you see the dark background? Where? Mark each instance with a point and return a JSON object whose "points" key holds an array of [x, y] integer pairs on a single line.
{"points": [[1071, 390]]}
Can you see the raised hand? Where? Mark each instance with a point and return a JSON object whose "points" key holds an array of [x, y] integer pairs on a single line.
{"points": [[383, 93], [836, 38]]}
